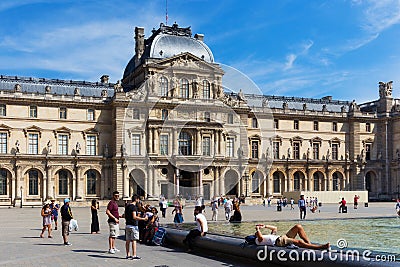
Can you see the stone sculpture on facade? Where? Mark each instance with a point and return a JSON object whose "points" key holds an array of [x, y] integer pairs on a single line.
{"points": [[385, 89], [17, 88], [48, 147], [47, 89], [17, 147], [118, 87], [77, 91], [78, 148]]}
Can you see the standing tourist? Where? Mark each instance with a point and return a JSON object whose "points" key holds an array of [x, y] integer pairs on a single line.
{"points": [[291, 203], [113, 222], [46, 216], [66, 217], [398, 207], [94, 227], [356, 198], [54, 212], [131, 228], [342, 206], [201, 229], [178, 219], [228, 208], [163, 206], [214, 209], [302, 207]]}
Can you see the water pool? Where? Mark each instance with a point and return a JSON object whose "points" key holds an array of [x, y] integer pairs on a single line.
{"points": [[378, 234]]}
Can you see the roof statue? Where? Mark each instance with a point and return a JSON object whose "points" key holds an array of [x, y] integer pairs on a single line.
{"points": [[385, 89]]}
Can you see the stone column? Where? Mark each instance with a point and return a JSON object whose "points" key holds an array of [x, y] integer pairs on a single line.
{"points": [[156, 148], [150, 180], [216, 184], [18, 177], [125, 180], [177, 182], [269, 185], [13, 186], [221, 181], [220, 143], [150, 141], [214, 143], [74, 182], [199, 148], [265, 186], [103, 176]]}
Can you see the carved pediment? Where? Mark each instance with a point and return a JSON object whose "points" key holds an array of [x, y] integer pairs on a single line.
{"points": [[315, 140], [90, 131], [296, 139], [335, 140], [5, 128], [188, 60], [135, 129], [62, 129], [31, 129], [367, 141]]}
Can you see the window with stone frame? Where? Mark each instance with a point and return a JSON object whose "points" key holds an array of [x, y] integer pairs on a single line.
{"points": [[206, 146], [184, 89], [3, 110], [254, 149], [276, 124], [296, 150], [163, 144], [3, 182], [185, 144], [63, 182], [91, 182], [255, 182], [33, 112], [90, 115], [316, 125], [63, 144], [206, 90], [135, 144], [33, 143], [3, 142], [91, 146], [163, 86], [276, 146], [33, 177], [368, 148], [230, 118], [63, 113], [230, 147], [334, 126], [368, 127], [135, 114], [164, 114], [335, 151], [254, 123], [296, 124]]}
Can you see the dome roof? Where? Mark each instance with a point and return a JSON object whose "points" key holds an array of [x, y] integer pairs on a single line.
{"points": [[165, 46]]}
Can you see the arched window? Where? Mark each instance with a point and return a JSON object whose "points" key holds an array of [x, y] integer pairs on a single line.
{"points": [[316, 182], [63, 182], [91, 182], [3, 182], [255, 182], [163, 86], [33, 182], [296, 181], [185, 144], [335, 181], [184, 86], [277, 183], [206, 89]]}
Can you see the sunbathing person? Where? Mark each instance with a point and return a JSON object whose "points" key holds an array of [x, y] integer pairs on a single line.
{"points": [[285, 240]]}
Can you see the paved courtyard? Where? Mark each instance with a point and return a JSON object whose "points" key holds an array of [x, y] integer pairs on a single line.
{"points": [[20, 244]]}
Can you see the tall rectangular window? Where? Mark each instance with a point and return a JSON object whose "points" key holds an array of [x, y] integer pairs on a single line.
{"points": [[254, 123], [33, 111], [206, 89], [3, 143], [91, 145], [254, 149], [3, 182], [296, 150], [63, 113], [276, 150], [164, 144], [62, 144], [368, 127], [230, 118], [90, 114], [63, 182], [316, 150], [164, 114], [296, 124], [91, 182], [33, 182], [316, 126], [207, 117], [334, 126], [368, 151], [135, 114], [136, 144], [335, 151], [3, 111], [33, 143], [276, 124], [206, 146], [230, 147]]}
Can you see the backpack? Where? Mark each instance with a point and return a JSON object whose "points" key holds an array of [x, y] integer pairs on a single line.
{"points": [[158, 238], [250, 240]]}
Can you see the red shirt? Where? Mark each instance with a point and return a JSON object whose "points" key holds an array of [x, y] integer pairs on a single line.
{"points": [[113, 208], [355, 199], [343, 202]]}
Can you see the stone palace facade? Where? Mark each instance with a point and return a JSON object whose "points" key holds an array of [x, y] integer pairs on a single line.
{"points": [[170, 127]]}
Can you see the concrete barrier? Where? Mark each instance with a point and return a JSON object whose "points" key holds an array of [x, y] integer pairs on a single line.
{"points": [[278, 255]]}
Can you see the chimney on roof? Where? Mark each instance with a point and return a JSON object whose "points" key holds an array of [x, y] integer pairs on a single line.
{"points": [[199, 36], [104, 79]]}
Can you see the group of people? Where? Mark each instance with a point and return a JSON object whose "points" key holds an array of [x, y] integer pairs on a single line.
{"points": [[229, 205]]}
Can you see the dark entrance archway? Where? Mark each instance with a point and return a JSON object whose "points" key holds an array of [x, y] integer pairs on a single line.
{"points": [[187, 184]]}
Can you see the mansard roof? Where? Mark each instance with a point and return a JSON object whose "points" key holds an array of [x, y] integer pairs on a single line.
{"points": [[55, 86]]}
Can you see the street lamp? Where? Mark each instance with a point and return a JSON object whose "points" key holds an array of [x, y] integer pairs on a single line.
{"points": [[21, 196], [246, 179]]}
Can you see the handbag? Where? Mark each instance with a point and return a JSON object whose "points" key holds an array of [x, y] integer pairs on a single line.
{"points": [[73, 225]]}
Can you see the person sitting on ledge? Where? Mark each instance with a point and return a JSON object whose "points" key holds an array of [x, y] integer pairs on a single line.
{"points": [[289, 239], [201, 230]]}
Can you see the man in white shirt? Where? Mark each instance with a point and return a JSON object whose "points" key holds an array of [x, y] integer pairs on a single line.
{"points": [[202, 228], [228, 208], [285, 240]]}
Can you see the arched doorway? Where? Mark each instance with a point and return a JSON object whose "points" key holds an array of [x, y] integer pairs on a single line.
{"points": [[256, 181], [5, 185], [371, 184], [337, 181], [298, 181], [278, 182], [137, 183], [231, 183], [187, 184], [318, 181], [92, 182], [63, 187]]}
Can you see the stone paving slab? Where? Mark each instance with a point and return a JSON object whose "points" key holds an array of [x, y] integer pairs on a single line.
{"points": [[20, 244]]}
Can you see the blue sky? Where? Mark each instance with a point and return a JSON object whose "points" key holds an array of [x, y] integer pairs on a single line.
{"points": [[299, 48]]}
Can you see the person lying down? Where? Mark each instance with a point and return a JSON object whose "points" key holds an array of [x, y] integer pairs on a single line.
{"points": [[286, 240]]}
